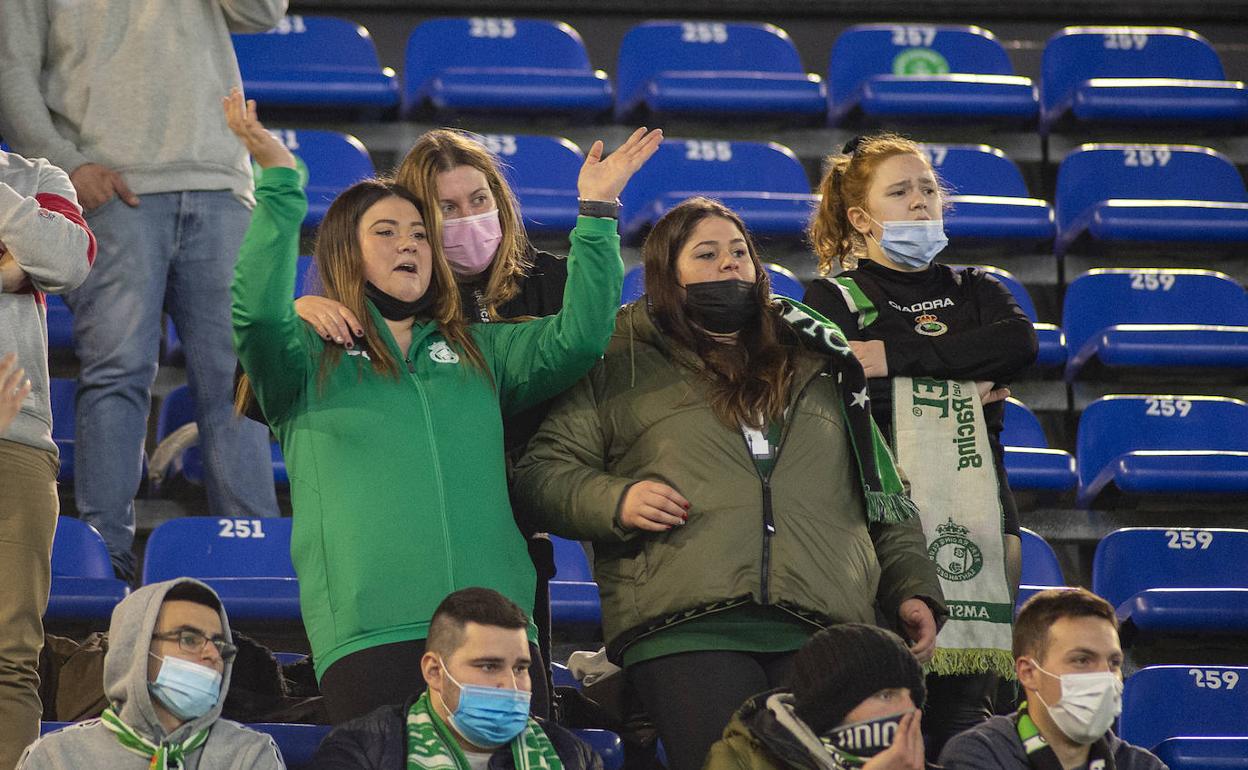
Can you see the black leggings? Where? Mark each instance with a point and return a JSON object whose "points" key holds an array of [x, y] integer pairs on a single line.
{"points": [[390, 674], [691, 696]]}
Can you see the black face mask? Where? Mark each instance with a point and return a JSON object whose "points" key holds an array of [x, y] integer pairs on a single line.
{"points": [[394, 309], [721, 307]]}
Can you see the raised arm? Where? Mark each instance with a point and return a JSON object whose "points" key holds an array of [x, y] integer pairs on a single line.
{"points": [[272, 345], [45, 234], [536, 360]]}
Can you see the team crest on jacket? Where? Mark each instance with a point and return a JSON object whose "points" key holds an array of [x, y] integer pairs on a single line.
{"points": [[441, 353], [927, 325]]}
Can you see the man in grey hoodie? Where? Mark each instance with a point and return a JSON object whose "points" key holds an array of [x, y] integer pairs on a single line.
{"points": [[166, 672], [45, 246], [125, 95]]}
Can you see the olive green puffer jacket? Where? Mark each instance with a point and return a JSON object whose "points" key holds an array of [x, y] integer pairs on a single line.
{"points": [[643, 413]]}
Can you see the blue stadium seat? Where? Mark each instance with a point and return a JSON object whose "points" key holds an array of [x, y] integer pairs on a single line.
{"points": [[1134, 75], [705, 68], [1203, 753], [60, 324], [315, 62], [1155, 319], [608, 746], [298, 743], [1168, 445], [989, 197], [83, 584], [246, 561], [1040, 566], [942, 71], [501, 64], [177, 409], [1175, 580], [562, 676], [542, 172], [573, 592], [1143, 193], [783, 282], [1052, 340], [1029, 462], [1160, 702], [763, 182], [334, 162], [63, 394]]}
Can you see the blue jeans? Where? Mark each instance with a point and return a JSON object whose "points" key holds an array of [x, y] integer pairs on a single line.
{"points": [[174, 252]]}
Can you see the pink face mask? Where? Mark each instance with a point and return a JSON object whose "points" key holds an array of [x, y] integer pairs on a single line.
{"points": [[470, 242]]}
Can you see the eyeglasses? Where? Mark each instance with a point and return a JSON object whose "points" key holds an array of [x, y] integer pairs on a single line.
{"points": [[192, 642]]}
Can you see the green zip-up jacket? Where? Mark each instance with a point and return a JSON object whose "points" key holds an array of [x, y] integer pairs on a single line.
{"points": [[398, 485], [644, 413]]}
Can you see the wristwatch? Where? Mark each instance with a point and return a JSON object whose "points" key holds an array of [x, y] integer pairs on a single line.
{"points": [[605, 209]]}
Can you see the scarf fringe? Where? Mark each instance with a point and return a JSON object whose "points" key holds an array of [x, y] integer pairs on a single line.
{"points": [[954, 661], [890, 507]]}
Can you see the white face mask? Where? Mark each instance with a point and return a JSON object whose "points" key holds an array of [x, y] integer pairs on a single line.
{"points": [[1088, 706]]}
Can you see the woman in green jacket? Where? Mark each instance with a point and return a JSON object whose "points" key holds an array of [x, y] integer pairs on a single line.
{"points": [[395, 448], [723, 462]]}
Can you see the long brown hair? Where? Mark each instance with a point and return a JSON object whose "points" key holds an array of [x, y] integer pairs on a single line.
{"points": [[750, 380], [443, 150], [844, 185], [339, 264]]}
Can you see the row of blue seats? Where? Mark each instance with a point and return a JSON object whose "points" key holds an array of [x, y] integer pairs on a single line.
{"points": [[1160, 579], [1105, 193], [710, 69], [1113, 320]]}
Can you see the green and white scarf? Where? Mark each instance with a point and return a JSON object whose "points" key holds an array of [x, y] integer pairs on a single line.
{"points": [[432, 746], [941, 440], [881, 483], [163, 756]]}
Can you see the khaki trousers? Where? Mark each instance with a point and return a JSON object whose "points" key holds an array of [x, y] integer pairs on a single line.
{"points": [[28, 510]]}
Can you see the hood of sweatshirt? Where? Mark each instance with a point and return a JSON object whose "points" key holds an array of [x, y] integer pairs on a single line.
{"points": [[125, 664]]}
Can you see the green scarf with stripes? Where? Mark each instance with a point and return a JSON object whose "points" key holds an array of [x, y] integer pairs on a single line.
{"points": [[163, 756], [877, 472], [432, 746]]}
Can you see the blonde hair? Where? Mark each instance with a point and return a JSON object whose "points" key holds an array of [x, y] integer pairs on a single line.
{"points": [[443, 150], [844, 186]]}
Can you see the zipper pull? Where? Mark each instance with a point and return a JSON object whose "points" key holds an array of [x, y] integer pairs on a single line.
{"points": [[410, 366]]}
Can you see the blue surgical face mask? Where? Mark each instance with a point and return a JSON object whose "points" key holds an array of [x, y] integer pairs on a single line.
{"points": [[913, 242], [187, 689], [488, 716]]}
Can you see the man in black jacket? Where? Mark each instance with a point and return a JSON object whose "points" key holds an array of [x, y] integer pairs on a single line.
{"points": [[474, 714]]}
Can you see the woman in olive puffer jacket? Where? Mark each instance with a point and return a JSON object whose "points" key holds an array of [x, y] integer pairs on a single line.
{"points": [[711, 459]]}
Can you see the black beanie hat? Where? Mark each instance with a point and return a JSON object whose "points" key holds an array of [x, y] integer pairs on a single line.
{"points": [[843, 665]]}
